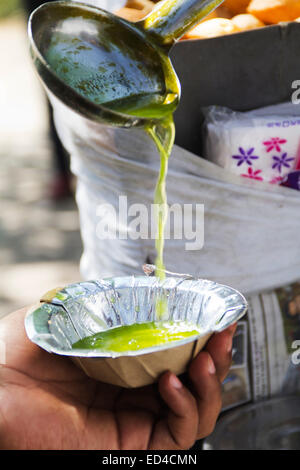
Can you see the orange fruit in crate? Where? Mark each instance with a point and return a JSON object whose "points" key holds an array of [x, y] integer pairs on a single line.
{"points": [[145, 5], [236, 6], [218, 13], [246, 21], [274, 11], [135, 10], [212, 28], [131, 14], [222, 12]]}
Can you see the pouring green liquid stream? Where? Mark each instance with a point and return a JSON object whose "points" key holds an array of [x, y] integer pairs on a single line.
{"points": [[119, 73]]}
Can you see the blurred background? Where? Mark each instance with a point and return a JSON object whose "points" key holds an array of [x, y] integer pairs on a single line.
{"points": [[40, 244]]}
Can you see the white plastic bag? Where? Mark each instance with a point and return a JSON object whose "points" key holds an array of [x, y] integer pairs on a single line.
{"points": [[255, 144]]}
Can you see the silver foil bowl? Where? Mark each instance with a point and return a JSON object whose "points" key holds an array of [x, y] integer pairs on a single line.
{"points": [[83, 309]]}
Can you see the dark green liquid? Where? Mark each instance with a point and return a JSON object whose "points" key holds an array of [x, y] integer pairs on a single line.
{"points": [[138, 336], [113, 65]]}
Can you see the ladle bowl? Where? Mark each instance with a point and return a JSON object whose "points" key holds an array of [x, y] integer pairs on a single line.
{"points": [[109, 69]]}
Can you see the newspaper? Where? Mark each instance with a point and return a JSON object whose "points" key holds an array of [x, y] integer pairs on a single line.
{"points": [[266, 349]]}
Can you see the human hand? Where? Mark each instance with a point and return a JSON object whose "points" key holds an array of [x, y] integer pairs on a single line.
{"points": [[46, 402]]}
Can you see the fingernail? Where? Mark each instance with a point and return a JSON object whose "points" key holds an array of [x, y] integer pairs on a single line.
{"points": [[175, 382], [211, 366]]}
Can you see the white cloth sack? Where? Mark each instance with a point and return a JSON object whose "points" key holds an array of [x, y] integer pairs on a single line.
{"points": [[251, 234]]}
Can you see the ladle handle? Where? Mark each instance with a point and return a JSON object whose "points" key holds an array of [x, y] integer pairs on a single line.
{"points": [[170, 19]]}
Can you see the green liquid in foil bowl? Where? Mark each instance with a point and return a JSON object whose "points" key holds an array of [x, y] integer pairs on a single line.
{"points": [[119, 69], [138, 336]]}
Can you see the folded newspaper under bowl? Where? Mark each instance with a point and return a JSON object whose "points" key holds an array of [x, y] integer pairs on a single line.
{"points": [[83, 309]]}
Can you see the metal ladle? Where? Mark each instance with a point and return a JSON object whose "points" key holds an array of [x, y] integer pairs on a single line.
{"points": [[106, 68]]}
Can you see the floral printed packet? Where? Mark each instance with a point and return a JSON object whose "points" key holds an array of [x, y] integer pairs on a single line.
{"points": [[256, 146]]}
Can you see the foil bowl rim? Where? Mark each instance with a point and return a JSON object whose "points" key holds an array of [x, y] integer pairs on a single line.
{"points": [[41, 339]]}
